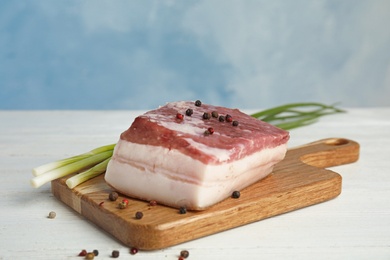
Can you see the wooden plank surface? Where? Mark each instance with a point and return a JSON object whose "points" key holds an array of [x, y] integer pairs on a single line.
{"points": [[300, 180]]}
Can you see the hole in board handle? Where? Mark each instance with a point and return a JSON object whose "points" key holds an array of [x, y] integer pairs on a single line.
{"points": [[337, 141]]}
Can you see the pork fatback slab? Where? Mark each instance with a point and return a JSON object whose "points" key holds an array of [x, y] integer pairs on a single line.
{"points": [[193, 160]]}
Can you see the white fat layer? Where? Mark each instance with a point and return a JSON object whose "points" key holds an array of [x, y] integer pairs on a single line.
{"points": [[175, 179]]}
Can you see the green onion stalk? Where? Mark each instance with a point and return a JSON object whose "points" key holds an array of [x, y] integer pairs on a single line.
{"points": [[93, 163]]}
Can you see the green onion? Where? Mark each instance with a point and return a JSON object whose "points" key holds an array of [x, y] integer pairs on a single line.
{"points": [[88, 174], [70, 168], [94, 162], [296, 114], [57, 164]]}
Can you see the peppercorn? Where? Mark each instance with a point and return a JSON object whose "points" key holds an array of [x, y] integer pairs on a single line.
{"points": [[179, 116], [221, 119], [183, 210], [235, 123], [122, 205], [152, 203], [139, 215], [90, 256], [189, 112], [198, 103], [236, 194], [115, 254], [207, 132], [211, 130], [229, 118], [52, 214], [214, 114], [95, 252], [133, 250], [206, 115], [184, 253], [113, 196], [125, 201], [83, 252]]}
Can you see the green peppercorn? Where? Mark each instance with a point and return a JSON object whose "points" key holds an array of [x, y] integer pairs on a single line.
{"points": [[214, 114], [52, 214], [90, 256], [113, 196], [115, 254], [122, 205]]}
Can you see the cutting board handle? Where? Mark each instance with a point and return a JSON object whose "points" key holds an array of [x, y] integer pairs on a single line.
{"points": [[327, 152]]}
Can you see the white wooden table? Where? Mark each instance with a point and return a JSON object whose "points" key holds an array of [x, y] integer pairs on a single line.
{"points": [[355, 225]]}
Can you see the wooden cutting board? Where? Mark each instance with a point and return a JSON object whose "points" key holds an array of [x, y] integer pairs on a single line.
{"points": [[300, 180]]}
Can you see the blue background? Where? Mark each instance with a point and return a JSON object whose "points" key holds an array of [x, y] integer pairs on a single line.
{"points": [[141, 54]]}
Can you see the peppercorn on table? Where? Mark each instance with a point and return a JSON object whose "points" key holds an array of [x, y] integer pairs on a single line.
{"points": [[354, 225]]}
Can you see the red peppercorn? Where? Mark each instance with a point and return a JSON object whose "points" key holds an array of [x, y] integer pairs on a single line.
{"points": [[125, 201], [228, 118], [133, 250], [211, 130], [179, 116], [152, 203], [83, 252]]}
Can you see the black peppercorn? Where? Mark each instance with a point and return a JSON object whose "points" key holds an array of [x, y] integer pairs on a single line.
{"points": [[115, 254], [184, 253], [139, 215], [198, 103], [95, 252], [236, 194], [182, 210], [221, 119], [235, 123], [113, 196], [206, 115], [189, 112]]}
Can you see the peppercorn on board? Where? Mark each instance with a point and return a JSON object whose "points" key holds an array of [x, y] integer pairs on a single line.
{"points": [[298, 181]]}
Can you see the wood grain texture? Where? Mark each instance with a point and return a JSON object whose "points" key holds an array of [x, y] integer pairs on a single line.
{"points": [[300, 180]]}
